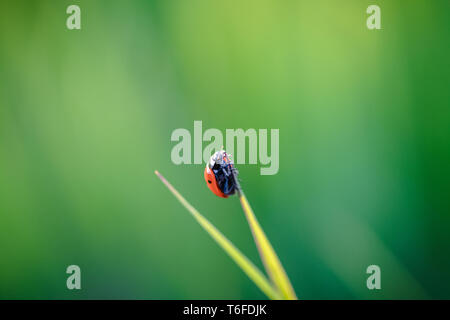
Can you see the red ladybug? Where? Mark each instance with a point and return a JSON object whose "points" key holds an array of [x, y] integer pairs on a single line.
{"points": [[220, 175]]}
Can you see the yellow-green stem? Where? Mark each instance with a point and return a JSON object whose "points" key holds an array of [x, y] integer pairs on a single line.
{"points": [[270, 259], [241, 260]]}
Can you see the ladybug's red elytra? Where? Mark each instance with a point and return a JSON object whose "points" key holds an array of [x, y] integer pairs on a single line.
{"points": [[220, 175]]}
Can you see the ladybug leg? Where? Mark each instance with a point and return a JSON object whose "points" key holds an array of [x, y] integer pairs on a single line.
{"points": [[229, 169], [226, 173]]}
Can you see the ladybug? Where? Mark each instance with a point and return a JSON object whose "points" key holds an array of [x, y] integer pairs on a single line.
{"points": [[220, 175]]}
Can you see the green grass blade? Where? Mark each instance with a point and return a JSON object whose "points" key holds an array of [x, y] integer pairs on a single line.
{"points": [[270, 260], [241, 260]]}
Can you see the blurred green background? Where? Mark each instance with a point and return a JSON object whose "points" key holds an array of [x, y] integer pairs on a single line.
{"points": [[86, 117]]}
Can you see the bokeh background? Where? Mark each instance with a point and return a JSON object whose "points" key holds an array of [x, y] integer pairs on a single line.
{"points": [[86, 117]]}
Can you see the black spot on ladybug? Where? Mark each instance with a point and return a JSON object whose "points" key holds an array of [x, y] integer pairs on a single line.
{"points": [[209, 181]]}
